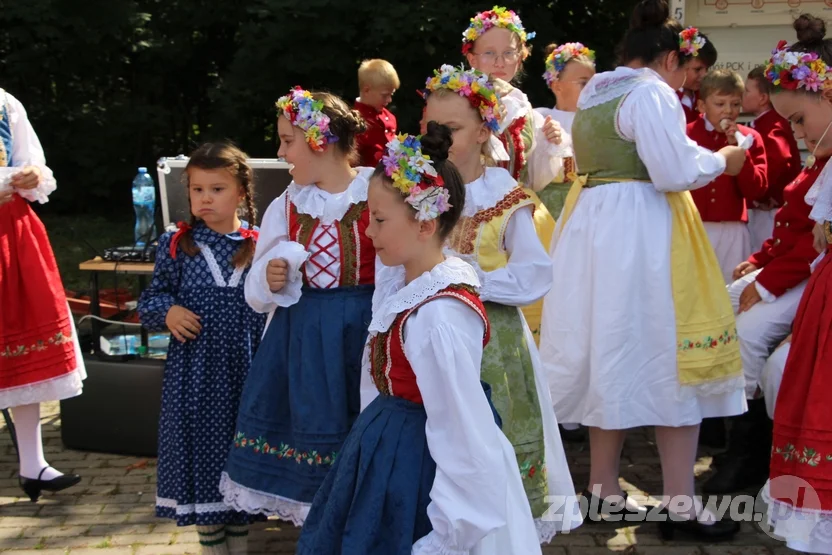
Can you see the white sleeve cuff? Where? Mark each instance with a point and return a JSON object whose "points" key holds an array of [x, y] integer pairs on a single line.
{"points": [[765, 294], [432, 545]]}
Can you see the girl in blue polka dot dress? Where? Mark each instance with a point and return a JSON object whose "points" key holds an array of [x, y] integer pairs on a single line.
{"points": [[197, 293]]}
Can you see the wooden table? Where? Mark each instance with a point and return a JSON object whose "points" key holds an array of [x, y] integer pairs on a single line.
{"points": [[96, 266]]}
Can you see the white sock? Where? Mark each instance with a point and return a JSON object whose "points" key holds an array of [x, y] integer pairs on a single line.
{"points": [[212, 540], [236, 538], [27, 426]]}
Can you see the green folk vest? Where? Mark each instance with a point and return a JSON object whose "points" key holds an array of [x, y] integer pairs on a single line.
{"points": [[601, 152]]}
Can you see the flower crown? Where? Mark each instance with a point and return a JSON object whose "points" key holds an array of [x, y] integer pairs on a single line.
{"points": [[415, 177], [796, 70], [306, 113], [471, 84], [560, 56], [691, 42], [495, 17]]}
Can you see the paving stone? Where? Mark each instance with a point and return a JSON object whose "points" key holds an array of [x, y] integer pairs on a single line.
{"points": [[111, 512], [54, 531], [178, 549], [130, 539], [103, 551]]}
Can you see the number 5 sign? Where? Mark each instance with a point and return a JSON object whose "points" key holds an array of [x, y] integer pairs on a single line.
{"points": [[677, 10]]}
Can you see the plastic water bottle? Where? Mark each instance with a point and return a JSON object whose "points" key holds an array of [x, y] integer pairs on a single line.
{"points": [[144, 203]]}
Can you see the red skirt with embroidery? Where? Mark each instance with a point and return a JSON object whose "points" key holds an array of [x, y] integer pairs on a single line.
{"points": [[802, 445], [36, 342]]}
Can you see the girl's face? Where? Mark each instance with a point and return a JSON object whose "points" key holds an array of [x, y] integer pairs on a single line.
{"points": [[215, 196], [497, 53], [810, 116], [393, 229], [569, 84], [469, 131], [303, 160]]}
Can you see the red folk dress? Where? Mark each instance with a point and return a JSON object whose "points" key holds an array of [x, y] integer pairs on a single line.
{"points": [[39, 355]]}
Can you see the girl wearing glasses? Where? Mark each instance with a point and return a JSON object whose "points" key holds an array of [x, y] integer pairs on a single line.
{"points": [[495, 43]]}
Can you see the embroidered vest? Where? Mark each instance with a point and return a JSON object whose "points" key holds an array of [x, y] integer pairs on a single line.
{"points": [[5, 132], [356, 249], [600, 150], [390, 369], [483, 234]]}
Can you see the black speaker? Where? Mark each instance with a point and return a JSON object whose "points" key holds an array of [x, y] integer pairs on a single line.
{"points": [[118, 412]]}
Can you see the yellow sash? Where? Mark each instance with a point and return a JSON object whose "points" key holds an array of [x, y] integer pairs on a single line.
{"points": [[707, 349], [544, 224]]}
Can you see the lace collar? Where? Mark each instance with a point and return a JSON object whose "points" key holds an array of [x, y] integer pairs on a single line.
{"points": [[486, 191], [610, 85], [326, 207], [392, 296]]}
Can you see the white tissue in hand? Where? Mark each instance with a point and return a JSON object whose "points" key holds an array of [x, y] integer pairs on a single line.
{"points": [[744, 141]]}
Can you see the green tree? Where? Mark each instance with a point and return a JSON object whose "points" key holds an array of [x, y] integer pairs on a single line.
{"points": [[113, 84]]}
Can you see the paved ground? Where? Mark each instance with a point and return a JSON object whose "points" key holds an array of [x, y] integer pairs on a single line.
{"points": [[111, 511]]}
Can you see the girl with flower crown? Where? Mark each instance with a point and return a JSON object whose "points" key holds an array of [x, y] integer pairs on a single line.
{"points": [[425, 469], [496, 235], [313, 273], [799, 492], [197, 293], [569, 67], [495, 43], [642, 332]]}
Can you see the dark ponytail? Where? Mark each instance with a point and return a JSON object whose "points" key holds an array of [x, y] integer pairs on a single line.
{"points": [[436, 144], [811, 37], [652, 33]]}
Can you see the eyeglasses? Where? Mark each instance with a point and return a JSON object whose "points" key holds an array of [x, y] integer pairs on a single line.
{"points": [[490, 57]]}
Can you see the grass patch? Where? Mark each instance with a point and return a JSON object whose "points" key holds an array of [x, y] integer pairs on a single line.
{"points": [[103, 545]]}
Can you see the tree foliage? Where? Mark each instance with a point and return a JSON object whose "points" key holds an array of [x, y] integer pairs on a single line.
{"points": [[113, 84]]}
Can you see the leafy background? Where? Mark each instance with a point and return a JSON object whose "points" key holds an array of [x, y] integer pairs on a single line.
{"points": [[115, 84]]}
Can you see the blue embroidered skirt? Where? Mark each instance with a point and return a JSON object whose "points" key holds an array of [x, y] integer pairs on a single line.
{"points": [[375, 500], [300, 400]]}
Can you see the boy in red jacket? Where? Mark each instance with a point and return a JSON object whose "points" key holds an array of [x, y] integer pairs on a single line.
{"points": [[722, 203], [766, 295], [378, 81], [696, 68], [782, 155]]}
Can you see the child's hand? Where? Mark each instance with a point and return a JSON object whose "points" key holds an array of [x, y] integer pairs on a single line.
{"points": [[820, 238], [553, 131], [182, 323], [730, 128], [734, 159], [6, 196], [743, 269], [277, 273], [749, 297], [29, 178]]}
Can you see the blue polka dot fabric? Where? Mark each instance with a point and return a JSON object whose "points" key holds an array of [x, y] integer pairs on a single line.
{"points": [[204, 377]]}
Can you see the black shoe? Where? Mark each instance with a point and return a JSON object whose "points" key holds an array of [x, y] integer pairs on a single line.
{"points": [[721, 530], [712, 433], [577, 435], [33, 488], [720, 459], [746, 462], [618, 512]]}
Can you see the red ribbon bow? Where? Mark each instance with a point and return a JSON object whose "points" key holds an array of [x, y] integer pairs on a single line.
{"points": [[248, 233], [174, 242]]}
